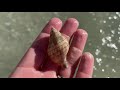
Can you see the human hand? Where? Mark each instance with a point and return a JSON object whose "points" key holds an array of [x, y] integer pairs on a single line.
{"points": [[36, 64]]}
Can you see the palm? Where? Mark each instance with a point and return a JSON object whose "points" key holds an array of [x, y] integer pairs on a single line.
{"points": [[36, 64]]}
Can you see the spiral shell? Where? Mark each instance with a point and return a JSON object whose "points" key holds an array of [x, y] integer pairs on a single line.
{"points": [[58, 48]]}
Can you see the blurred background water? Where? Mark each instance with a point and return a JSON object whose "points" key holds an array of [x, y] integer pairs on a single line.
{"points": [[19, 29]]}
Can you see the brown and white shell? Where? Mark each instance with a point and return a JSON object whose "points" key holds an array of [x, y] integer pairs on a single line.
{"points": [[58, 48]]}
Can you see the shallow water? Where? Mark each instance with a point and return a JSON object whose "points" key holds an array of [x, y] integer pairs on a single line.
{"points": [[19, 29]]}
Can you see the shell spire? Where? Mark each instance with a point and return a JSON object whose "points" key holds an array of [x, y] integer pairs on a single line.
{"points": [[58, 48]]}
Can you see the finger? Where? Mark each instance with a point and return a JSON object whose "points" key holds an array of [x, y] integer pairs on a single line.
{"points": [[36, 54], [85, 69], [77, 45], [75, 51], [55, 22], [70, 27]]}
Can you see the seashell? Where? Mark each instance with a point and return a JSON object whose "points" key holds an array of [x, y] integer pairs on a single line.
{"points": [[58, 48]]}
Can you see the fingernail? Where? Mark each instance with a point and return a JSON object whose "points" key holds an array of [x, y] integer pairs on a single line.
{"points": [[88, 55], [82, 32], [72, 21], [55, 21]]}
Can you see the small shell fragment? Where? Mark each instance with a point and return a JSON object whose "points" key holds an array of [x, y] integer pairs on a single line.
{"points": [[58, 48]]}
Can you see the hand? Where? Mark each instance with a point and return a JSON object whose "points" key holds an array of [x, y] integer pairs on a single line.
{"points": [[36, 64]]}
